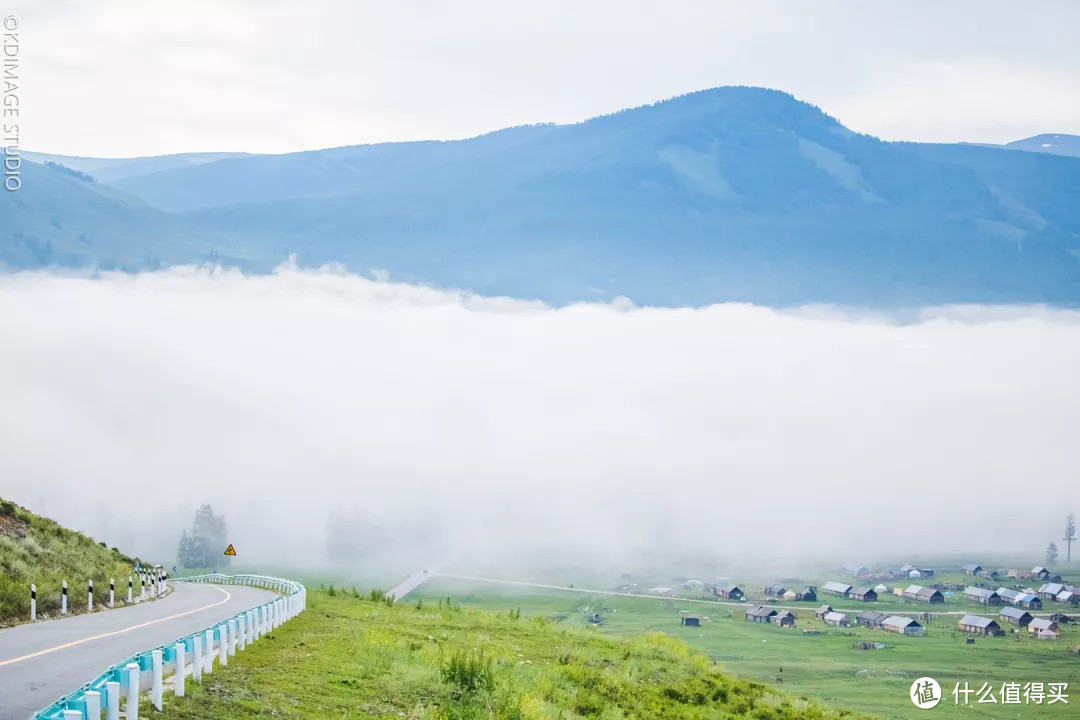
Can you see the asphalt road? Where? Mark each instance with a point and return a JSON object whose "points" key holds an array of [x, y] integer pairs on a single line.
{"points": [[42, 661]]}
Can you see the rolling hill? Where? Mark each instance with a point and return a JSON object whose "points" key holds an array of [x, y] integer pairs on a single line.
{"points": [[57, 219], [727, 194]]}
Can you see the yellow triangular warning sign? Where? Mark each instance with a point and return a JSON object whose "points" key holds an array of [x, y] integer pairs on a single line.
{"points": [[230, 550]]}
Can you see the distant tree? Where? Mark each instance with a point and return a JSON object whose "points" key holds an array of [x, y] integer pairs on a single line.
{"points": [[1070, 535], [1051, 553], [69, 171], [204, 546]]}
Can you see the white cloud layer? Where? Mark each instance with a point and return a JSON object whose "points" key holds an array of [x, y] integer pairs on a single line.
{"points": [[123, 78], [506, 426]]}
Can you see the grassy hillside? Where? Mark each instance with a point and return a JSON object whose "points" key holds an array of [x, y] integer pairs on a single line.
{"points": [[37, 550], [351, 656]]}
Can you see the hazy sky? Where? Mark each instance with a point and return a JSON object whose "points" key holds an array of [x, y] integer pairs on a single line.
{"points": [[138, 77], [504, 426]]}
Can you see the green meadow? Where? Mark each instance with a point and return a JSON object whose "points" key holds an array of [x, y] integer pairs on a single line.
{"points": [[355, 656], [823, 665]]}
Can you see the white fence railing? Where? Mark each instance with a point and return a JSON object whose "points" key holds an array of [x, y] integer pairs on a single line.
{"points": [[194, 655]]}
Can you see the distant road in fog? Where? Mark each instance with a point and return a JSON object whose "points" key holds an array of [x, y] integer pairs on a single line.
{"points": [[410, 583], [590, 591]]}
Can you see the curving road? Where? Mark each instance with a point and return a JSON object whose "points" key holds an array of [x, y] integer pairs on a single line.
{"points": [[42, 661]]}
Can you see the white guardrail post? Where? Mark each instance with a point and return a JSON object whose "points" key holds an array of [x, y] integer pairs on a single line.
{"points": [[156, 688], [179, 670], [208, 663], [131, 707], [122, 683], [223, 644], [112, 701], [196, 658], [93, 704], [33, 602]]}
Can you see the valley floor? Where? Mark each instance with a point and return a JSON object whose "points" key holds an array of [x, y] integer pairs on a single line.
{"points": [[823, 664]]}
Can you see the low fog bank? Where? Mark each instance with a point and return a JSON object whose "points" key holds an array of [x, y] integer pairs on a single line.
{"points": [[340, 421]]}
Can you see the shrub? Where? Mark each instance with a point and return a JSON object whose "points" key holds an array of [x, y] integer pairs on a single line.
{"points": [[469, 672]]}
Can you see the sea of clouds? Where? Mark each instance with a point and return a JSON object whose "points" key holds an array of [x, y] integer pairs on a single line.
{"points": [[446, 425]]}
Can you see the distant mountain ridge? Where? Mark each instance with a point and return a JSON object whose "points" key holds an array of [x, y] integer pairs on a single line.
{"points": [[726, 194], [1054, 144]]}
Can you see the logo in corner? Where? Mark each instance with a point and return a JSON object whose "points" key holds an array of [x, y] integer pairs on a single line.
{"points": [[925, 693]]}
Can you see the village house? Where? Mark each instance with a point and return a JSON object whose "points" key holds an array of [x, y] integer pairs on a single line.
{"points": [[906, 568], [1046, 635], [982, 595], [856, 570], [783, 619], [774, 591], [1009, 597], [1040, 572], [929, 595], [864, 594], [807, 595], [1067, 596], [1037, 625], [823, 611], [1062, 619], [837, 619], [926, 572], [1032, 602], [1015, 616], [836, 588], [902, 625], [1050, 591], [759, 614], [971, 569], [1019, 574], [728, 590], [990, 574], [923, 594], [980, 625], [870, 619]]}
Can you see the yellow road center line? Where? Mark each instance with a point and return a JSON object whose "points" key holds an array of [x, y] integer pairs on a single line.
{"points": [[73, 643]]}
